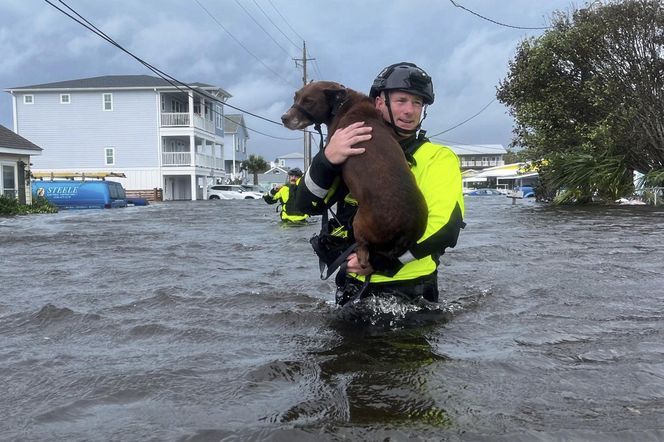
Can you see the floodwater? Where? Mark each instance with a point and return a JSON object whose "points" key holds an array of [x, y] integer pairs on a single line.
{"points": [[207, 321]]}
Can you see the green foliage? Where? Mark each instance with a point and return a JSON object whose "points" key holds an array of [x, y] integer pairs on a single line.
{"points": [[590, 92], [255, 164], [581, 177], [11, 206], [654, 178]]}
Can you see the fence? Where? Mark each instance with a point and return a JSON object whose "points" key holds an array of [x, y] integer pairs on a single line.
{"points": [[148, 194]]}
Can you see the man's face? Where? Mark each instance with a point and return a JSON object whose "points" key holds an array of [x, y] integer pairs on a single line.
{"points": [[406, 109], [292, 179]]}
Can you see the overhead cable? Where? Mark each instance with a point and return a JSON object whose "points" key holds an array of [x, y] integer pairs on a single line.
{"points": [[240, 43], [464, 121], [494, 21], [164, 76]]}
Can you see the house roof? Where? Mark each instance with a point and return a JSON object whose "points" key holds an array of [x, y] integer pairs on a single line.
{"points": [[233, 123], [113, 82], [477, 149], [11, 140], [504, 171], [293, 155]]}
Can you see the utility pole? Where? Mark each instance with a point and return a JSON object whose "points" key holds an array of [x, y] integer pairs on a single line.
{"points": [[307, 135]]}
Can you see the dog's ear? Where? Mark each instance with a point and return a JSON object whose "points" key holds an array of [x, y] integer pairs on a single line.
{"points": [[335, 94]]}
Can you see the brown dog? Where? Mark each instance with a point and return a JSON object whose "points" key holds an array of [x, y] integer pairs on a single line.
{"points": [[392, 213]]}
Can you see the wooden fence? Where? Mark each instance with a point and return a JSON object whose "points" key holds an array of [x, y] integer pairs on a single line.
{"points": [[149, 194]]}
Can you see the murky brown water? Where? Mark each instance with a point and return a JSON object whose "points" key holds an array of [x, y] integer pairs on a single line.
{"points": [[206, 321]]}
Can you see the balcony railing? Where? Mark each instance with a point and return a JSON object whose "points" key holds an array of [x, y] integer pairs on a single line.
{"points": [[176, 158], [480, 163], [184, 159], [181, 119], [174, 119]]}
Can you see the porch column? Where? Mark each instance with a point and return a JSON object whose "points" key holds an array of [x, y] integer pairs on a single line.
{"points": [[191, 109], [192, 150], [194, 187], [235, 140]]}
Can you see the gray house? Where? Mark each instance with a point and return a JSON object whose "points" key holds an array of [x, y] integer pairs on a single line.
{"points": [[291, 161], [235, 146], [479, 156], [157, 134], [15, 156]]}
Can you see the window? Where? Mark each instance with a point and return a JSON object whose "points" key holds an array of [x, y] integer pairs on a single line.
{"points": [[28, 99], [108, 102], [109, 156], [8, 180], [65, 99]]}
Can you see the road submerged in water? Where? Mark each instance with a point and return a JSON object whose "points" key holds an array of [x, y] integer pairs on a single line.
{"points": [[207, 321]]}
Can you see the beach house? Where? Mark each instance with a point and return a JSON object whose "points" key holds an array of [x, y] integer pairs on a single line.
{"points": [[160, 135]]}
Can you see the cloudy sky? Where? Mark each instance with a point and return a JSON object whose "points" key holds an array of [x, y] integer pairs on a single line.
{"points": [[247, 47]]}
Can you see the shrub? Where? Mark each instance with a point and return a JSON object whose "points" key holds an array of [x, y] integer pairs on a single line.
{"points": [[10, 206]]}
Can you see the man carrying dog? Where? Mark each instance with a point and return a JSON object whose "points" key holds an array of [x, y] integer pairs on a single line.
{"points": [[286, 196], [401, 93]]}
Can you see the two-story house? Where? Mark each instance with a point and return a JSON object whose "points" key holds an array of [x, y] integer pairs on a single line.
{"points": [[479, 156], [157, 134], [235, 146], [15, 156]]}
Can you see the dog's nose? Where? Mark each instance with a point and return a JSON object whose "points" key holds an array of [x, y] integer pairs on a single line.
{"points": [[285, 118]]}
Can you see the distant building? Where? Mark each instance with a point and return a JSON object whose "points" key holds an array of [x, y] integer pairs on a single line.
{"points": [[235, 146], [15, 156], [157, 134], [274, 176], [479, 156], [291, 161]]}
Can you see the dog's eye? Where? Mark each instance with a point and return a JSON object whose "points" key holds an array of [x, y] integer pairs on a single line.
{"points": [[307, 100]]}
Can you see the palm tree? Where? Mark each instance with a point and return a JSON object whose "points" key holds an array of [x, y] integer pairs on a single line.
{"points": [[255, 165]]}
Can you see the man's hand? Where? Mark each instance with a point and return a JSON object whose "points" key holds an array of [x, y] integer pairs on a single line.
{"points": [[353, 266], [341, 144]]}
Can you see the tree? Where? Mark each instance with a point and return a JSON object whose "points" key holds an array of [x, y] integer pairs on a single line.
{"points": [[590, 91], [254, 164]]}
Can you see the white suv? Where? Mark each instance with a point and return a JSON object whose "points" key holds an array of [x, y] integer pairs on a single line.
{"points": [[231, 192]]}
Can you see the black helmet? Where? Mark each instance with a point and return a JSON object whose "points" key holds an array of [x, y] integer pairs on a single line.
{"points": [[295, 172], [404, 77]]}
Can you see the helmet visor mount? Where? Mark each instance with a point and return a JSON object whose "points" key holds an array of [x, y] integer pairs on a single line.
{"points": [[406, 77]]}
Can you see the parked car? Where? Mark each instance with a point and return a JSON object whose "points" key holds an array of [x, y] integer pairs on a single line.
{"points": [[484, 192], [254, 188], [231, 192], [523, 192]]}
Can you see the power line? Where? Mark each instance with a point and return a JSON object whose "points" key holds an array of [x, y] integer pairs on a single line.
{"points": [[285, 21], [465, 121], [262, 28], [240, 43], [275, 25], [168, 78], [494, 21]]}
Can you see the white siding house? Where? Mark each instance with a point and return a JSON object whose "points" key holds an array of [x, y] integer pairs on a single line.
{"points": [[291, 161], [158, 135], [15, 155], [479, 156], [235, 148]]}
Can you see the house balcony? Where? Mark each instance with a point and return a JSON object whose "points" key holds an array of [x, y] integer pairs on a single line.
{"points": [[481, 163], [183, 119], [180, 159]]}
